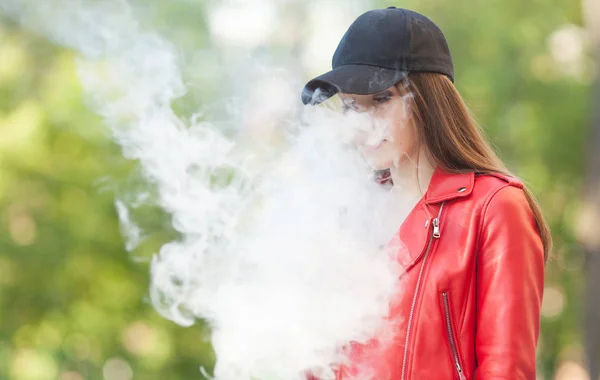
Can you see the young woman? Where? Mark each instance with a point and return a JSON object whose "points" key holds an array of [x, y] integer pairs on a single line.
{"points": [[477, 241]]}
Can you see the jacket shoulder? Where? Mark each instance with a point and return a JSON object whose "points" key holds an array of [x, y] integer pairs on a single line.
{"points": [[494, 181], [487, 185]]}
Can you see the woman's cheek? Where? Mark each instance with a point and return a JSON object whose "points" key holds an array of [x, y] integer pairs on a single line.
{"points": [[403, 138]]}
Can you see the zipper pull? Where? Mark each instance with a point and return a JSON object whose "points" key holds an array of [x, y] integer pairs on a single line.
{"points": [[436, 228], [461, 376]]}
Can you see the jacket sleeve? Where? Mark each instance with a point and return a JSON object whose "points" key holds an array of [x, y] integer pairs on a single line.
{"points": [[510, 284]]}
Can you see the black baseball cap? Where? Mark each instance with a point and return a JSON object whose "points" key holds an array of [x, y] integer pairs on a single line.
{"points": [[379, 50]]}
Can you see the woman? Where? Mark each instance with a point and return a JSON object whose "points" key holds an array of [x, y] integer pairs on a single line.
{"points": [[477, 241]]}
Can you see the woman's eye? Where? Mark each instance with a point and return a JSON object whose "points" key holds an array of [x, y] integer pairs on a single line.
{"points": [[382, 99]]}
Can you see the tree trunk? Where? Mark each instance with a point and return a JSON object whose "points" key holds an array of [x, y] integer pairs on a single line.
{"points": [[591, 238]]}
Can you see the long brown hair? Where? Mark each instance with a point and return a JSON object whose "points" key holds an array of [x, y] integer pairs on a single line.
{"points": [[453, 139]]}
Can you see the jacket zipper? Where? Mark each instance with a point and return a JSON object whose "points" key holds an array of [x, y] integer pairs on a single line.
{"points": [[435, 234], [461, 376]]}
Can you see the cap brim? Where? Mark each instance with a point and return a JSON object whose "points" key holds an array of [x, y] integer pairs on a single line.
{"points": [[350, 79]]}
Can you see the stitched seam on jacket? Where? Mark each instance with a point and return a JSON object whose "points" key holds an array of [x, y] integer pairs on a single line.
{"points": [[484, 210]]}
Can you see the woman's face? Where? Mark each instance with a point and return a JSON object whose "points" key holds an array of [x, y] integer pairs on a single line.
{"points": [[392, 138]]}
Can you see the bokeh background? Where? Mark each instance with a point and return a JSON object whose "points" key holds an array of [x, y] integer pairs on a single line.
{"points": [[73, 301]]}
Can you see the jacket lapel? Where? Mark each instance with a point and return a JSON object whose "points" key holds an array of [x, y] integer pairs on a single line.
{"points": [[412, 238]]}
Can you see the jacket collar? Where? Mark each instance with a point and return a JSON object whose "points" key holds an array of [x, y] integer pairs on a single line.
{"points": [[446, 186], [413, 237]]}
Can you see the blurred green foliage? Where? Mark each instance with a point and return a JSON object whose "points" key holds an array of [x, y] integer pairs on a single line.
{"points": [[73, 302], [71, 299]]}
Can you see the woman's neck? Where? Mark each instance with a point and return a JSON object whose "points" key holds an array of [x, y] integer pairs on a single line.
{"points": [[413, 176]]}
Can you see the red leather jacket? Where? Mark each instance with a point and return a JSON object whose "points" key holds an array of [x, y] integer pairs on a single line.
{"points": [[471, 295]]}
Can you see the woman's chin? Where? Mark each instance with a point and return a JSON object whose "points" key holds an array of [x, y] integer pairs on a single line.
{"points": [[378, 164], [381, 159]]}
